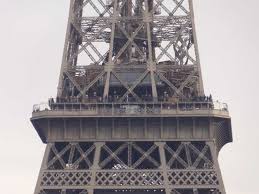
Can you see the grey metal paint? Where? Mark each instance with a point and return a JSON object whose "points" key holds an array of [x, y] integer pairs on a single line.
{"points": [[174, 151]]}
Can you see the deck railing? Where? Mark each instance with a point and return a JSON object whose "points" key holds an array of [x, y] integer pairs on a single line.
{"points": [[130, 108]]}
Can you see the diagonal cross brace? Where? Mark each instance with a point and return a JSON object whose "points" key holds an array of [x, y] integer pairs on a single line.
{"points": [[128, 42], [83, 155], [145, 155], [91, 84], [135, 84], [174, 88], [113, 155], [175, 155], [201, 155], [58, 155], [127, 87]]}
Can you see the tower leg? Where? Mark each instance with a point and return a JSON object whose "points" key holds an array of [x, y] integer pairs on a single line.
{"points": [[192, 167], [67, 168], [214, 155], [43, 167]]}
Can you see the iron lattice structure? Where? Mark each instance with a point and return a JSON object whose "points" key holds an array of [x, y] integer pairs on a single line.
{"points": [[130, 114]]}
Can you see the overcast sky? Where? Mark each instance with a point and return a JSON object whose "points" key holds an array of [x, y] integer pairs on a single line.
{"points": [[31, 42]]}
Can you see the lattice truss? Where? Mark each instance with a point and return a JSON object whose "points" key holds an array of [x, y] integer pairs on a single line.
{"points": [[131, 165], [71, 156], [124, 46]]}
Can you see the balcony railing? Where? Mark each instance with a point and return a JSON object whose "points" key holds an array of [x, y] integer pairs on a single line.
{"points": [[130, 108]]}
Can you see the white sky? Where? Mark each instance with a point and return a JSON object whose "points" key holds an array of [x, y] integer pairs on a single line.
{"points": [[31, 42]]}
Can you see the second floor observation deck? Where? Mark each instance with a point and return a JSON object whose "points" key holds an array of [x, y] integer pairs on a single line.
{"points": [[75, 108]]}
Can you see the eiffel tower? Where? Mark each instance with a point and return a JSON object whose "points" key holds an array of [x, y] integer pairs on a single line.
{"points": [[130, 114]]}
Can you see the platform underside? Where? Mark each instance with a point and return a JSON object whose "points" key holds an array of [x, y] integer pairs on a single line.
{"points": [[134, 129]]}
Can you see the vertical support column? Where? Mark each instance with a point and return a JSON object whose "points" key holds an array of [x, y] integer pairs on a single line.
{"points": [[177, 128], [129, 128], [81, 127], [162, 127], [145, 128], [113, 128], [163, 166], [49, 129], [95, 166], [130, 154], [128, 27], [114, 20], [193, 127], [65, 128], [43, 167], [96, 128], [151, 65], [64, 58], [214, 155], [200, 86], [211, 128], [110, 64], [107, 84]]}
